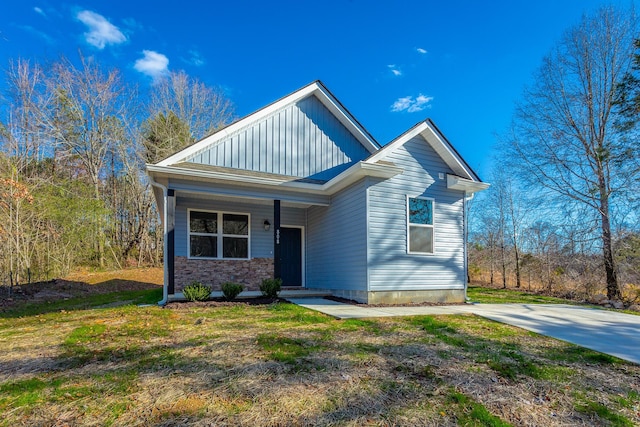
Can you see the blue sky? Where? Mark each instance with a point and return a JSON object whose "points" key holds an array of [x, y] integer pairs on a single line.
{"points": [[392, 64]]}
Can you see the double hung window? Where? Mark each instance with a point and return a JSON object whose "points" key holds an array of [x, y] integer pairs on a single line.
{"points": [[420, 239], [218, 235]]}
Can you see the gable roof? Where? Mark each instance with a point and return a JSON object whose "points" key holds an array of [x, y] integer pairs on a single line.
{"points": [[316, 89], [432, 135], [179, 166]]}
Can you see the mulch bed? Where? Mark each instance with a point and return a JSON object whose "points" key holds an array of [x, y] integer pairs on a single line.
{"points": [[221, 302]]}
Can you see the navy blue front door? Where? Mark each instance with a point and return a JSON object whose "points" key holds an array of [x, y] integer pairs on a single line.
{"points": [[291, 256]]}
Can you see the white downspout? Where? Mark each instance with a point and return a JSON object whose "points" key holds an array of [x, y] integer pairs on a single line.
{"points": [[465, 238], [165, 291]]}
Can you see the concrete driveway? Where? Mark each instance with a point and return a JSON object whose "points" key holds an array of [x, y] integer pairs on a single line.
{"points": [[609, 332]]}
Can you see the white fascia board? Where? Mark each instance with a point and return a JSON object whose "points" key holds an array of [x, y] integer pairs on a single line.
{"points": [[346, 119], [312, 89], [238, 185], [448, 154], [433, 138], [234, 127], [215, 176], [344, 179], [358, 171], [458, 183], [393, 145]]}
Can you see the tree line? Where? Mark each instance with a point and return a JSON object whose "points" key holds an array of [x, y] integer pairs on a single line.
{"points": [[74, 138], [562, 213]]}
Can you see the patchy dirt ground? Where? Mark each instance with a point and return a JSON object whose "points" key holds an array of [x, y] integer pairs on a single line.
{"points": [[253, 362], [83, 282], [282, 365]]}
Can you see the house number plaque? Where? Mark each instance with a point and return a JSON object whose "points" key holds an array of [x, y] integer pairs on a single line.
{"points": [[278, 236]]}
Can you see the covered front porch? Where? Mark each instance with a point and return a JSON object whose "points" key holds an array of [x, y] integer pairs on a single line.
{"points": [[221, 239]]}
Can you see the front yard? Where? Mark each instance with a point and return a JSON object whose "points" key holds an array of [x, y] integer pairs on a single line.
{"points": [[91, 362]]}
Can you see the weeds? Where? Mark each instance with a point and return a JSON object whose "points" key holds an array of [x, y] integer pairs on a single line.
{"points": [[491, 295], [470, 413], [603, 412], [284, 349], [282, 364]]}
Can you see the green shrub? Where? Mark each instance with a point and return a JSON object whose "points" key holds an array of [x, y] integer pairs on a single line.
{"points": [[196, 291], [231, 290], [271, 287]]}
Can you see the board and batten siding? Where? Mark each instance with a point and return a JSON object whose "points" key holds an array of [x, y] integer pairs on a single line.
{"points": [[391, 268], [303, 139], [261, 241], [337, 243]]}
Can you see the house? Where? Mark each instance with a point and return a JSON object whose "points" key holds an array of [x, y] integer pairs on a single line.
{"points": [[301, 191]]}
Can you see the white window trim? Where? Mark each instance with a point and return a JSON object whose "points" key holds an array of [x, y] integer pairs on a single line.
{"points": [[432, 226], [219, 234]]}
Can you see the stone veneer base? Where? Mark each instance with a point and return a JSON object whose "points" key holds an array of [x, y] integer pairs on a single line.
{"points": [[215, 272]]}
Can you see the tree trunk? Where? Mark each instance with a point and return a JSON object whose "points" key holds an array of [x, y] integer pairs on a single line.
{"points": [[549, 280], [491, 266], [613, 290], [517, 255], [504, 269]]}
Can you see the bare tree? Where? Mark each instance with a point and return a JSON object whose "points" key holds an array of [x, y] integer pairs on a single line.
{"points": [[485, 241], [23, 139], [182, 110], [87, 122], [564, 137], [72, 153]]}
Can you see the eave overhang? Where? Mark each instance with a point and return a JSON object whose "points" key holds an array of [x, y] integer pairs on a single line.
{"points": [[432, 135], [455, 182], [272, 181]]}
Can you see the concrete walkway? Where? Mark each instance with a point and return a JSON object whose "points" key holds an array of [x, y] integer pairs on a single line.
{"points": [[609, 332]]}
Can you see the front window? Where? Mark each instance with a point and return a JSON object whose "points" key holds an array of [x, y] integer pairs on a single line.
{"points": [[235, 236], [420, 225], [218, 235]]}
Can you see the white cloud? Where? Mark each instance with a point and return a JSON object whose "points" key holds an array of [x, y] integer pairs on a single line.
{"points": [[421, 50], [195, 58], [101, 32], [394, 70], [39, 11], [401, 104], [153, 64], [411, 104]]}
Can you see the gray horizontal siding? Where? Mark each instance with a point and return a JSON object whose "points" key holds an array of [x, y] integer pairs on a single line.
{"points": [[261, 242], [303, 139], [390, 266], [336, 245]]}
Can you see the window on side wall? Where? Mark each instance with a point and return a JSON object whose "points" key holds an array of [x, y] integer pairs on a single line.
{"points": [[420, 238], [218, 235]]}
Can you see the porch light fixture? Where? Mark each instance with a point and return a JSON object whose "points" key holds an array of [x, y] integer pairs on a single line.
{"points": [[267, 225]]}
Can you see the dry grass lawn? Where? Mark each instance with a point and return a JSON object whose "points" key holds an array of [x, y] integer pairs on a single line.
{"points": [[92, 363]]}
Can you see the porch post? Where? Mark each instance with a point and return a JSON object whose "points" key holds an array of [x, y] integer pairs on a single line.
{"points": [[171, 222], [277, 261]]}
